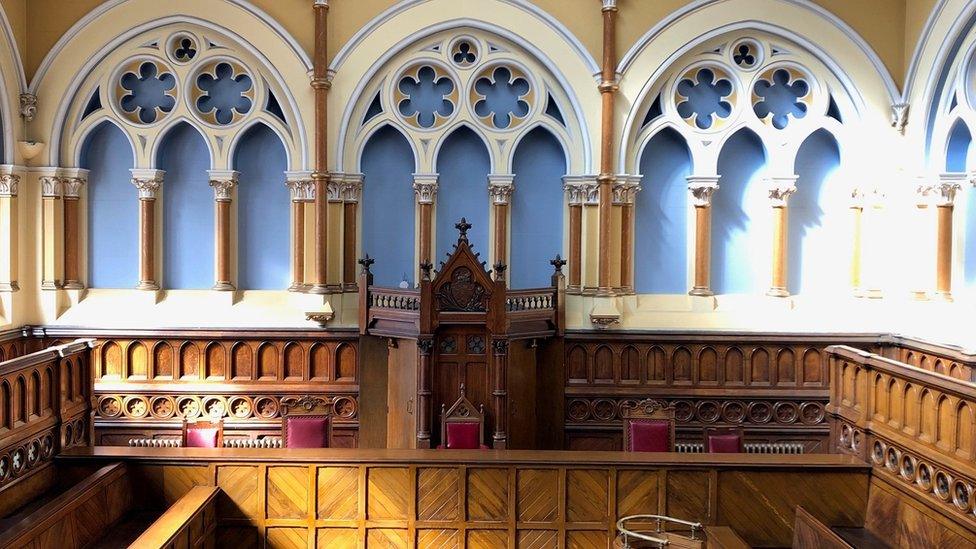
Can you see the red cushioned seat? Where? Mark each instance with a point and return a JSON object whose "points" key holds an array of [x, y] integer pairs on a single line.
{"points": [[730, 443], [649, 435], [306, 432], [463, 435], [201, 437]]}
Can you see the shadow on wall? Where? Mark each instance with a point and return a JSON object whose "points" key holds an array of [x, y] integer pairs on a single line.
{"points": [[741, 218], [536, 209], [661, 210], [388, 215]]}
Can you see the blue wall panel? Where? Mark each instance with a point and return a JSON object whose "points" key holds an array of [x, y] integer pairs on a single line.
{"points": [[969, 253], [537, 209], [388, 206], [463, 164], [740, 218], [188, 210], [113, 209], [957, 151], [818, 214], [263, 211], [661, 216]]}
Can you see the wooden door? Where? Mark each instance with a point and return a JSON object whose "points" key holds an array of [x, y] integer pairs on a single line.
{"points": [[461, 355]]}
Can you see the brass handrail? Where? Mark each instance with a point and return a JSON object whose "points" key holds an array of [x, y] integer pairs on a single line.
{"points": [[659, 522]]}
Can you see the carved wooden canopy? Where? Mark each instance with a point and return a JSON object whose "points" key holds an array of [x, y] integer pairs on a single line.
{"points": [[462, 284]]}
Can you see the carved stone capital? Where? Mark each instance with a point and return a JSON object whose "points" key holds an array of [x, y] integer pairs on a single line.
{"points": [[9, 181], [301, 186], [780, 189], [223, 183], [352, 187], [625, 189], [582, 189], [333, 189], [72, 180], [609, 5], [425, 186], [702, 187], [51, 183], [500, 188], [147, 182], [28, 106], [949, 184]]}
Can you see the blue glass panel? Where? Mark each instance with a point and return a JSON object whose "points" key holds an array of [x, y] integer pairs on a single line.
{"points": [[660, 245], [263, 211], [94, 104], [188, 210], [969, 253], [463, 163], [537, 209], [388, 206], [818, 214], [957, 150], [113, 209], [740, 215]]}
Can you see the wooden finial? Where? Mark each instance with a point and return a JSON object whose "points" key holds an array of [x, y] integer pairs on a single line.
{"points": [[558, 263], [366, 262], [462, 227]]}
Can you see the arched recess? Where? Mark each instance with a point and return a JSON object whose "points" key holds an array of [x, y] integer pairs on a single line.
{"points": [[818, 219], [263, 211], [113, 211], [539, 164], [188, 210], [463, 163], [958, 148], [387, 164], [660, 245], [741, 217]]}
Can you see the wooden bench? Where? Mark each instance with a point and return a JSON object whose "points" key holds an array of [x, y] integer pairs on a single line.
{"points": [[187, 523]]}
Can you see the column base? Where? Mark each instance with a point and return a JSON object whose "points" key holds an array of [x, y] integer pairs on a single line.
{"points": [[148, 285], [223, 286], [778, 292], [297, 287], [605, 292], [944, 296], [73, 285], [9, 286], [319, 289], [50, 285], [701, 291]]}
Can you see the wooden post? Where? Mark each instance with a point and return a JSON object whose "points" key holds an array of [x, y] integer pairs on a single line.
{"points": [[425, 187], [624, 194], [779, 192], [9, 226], [425, 347], [223, 183], [352, 190], [500, 188], [608, 89], [949, 184], [702, 187], [148, 183], [302, 191], [321, 84], [499, 438], [72, 182], [574, 187]]}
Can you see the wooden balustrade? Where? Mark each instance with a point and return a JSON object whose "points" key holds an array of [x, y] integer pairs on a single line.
{"points": [[45, 406], [942, 359], [917, 427]]}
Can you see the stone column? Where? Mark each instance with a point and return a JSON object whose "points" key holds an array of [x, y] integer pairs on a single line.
{"points": [[608, 90], [702, 187], [52, 190], [780, 189], [949, 185], [302, 191], [9, 228], [625, 191], [352, 191], [148, 183], [72, 182], [857, 220], [500, 188], [223, 183], [321, 83], [582, 193], [425, 187]]}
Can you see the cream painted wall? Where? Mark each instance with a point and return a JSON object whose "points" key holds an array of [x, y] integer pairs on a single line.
{"points": [[916, 15], [880, 22], [16, 11]]}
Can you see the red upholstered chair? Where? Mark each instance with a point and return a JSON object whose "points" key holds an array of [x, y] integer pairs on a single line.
{"points": [[203, 434], [648, 427], [306, 422], [462, 426], [724, 440]]}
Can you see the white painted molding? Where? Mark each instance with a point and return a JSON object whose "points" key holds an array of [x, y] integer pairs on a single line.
{"points": [[913, 67], [15, 50]]}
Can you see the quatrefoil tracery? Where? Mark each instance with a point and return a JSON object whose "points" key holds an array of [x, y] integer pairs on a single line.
{"points": [[705, 97], [223, 92], [145, 91], [502, 97], [781, 95], [425, 96]]}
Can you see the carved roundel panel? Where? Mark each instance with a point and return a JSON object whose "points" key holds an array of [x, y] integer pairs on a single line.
{"points": [[502, 97], [781, 95], [145, 90], [705, 97], [221, 92], [182, 48], [747, 54], [464, 52], [426, 96]]}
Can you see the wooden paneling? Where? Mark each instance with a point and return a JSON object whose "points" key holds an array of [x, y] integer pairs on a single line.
{"points": [[430, 498], [189, 523], [942, 359]]}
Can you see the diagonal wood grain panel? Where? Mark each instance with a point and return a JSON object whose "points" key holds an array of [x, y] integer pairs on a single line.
{"points": [[437, 493], [487, 494], [239, 491], [637, 493], [177, 481], [337, 538], [287, 495], [388, 492], [587, 492], [386, 538], [537, 539], [538, 500], [238, 537], [687, 495], [338, 493], [287, 538], [585, 539], [487, 539], [438, 539]]}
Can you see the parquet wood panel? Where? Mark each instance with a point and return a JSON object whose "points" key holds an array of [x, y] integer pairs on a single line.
{"points": [[584, 539], [386, 538], [337, 538], [487, 494], [438, 539], [388, 492], [538, 495], [688, 495], [437, 494], [537, 539], [239, 491], [637, 492], [338, 493], [287, 538], [487, 539], [287, 492], [587, 493]]}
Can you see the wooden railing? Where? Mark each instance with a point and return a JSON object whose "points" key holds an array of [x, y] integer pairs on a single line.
{"points": [[918, 428], [390, 298], [45, 406], [188, 523], [530, 300], [942, 359]]}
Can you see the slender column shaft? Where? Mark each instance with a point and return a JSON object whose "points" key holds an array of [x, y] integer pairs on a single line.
{"points": [[72, 182], [320, 85], [9, 225], [779, 192], [148, 183], [625, 191], [608, 89], [349, 227], [500, 189], [857, 222], [949, 185], [425, 188], [425, 346], [500, 394], [575, 245], [223, 183], [702, 188], [301, 188], [53, 230]]}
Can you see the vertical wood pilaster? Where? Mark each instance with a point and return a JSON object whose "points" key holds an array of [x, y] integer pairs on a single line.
{"points": [[499, 393], [425, 347]]}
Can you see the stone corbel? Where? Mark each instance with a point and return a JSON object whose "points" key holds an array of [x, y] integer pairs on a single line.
{"points": [[28, 106], [425, 186]]}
